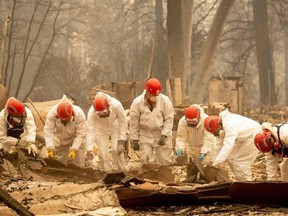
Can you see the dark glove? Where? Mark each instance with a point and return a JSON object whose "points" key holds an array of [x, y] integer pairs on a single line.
{"points": [[1, 152], [121, 146], [135, 145], [89, 159], [161, 142]]}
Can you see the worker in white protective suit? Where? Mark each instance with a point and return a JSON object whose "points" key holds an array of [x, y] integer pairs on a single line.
{"points": [[192, 138], [65, 131], [273, 141], [17, 127], [107, 119], [236, 146], [151, 122]]}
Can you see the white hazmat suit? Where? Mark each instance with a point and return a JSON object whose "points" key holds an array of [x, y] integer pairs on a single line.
{"points": [[237, 146], [8, 143], [62, 137], [147, 126], [195, 140], [272, 161], [101, 129]]}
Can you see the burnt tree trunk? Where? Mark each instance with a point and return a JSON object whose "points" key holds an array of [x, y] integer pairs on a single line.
{"points": [[263, 50], [202, 75], [160, 59], [286, 69], [179, 25]]}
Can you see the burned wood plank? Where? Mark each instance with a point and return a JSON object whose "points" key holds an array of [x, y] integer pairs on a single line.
{"points": [[130, 198], [259, 192], [218, 191], [12, 203], [113, 178], [71, 171], [268, 193]]}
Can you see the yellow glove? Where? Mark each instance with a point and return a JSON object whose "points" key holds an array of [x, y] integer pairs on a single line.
{"points": [[51, 153], [72, 154]]}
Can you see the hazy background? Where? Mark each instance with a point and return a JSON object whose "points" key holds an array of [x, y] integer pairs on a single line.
{"points": [[51, 47]]}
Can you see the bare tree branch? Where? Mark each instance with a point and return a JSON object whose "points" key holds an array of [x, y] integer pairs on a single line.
{"points": [[45, 53], [26, 57]]}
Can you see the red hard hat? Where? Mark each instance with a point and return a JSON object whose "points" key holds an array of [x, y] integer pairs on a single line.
{"points": [[262, 141], [65, 110], [15, 107], [211, 123], [192, 112], [153, 86], [100, 104]]}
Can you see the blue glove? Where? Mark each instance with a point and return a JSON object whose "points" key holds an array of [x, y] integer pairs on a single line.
{"points": [[202, 156], [179, 152]]}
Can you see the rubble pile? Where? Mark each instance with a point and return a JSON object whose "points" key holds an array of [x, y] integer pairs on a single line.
{"points": [[274, 114], [53, 192]]}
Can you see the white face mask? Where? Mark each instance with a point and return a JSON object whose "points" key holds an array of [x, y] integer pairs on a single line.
{"points": [[221, 134], [153, 98]]}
